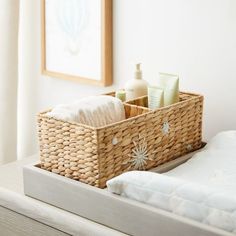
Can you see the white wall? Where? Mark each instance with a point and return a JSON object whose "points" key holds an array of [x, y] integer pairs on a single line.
{"points": [[193, 38]]}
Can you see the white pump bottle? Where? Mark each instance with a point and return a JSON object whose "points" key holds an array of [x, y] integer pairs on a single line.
{"points": [[136, 87]]}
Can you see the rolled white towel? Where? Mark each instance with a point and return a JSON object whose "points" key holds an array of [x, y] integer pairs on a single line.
{"points": [[96, 111]]}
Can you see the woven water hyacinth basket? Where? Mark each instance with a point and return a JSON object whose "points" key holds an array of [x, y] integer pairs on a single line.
{"points": [[143, 141]]}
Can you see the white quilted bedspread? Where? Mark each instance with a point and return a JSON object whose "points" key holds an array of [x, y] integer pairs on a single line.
{"points": [[202, 189]]}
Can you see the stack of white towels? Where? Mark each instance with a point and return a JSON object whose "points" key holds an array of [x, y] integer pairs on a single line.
{"points": [[96, 111]]}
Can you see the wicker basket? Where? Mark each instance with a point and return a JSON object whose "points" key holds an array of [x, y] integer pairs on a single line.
{"points": [[144, 140]]}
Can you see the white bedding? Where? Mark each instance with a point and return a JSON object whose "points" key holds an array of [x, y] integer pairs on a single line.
{"points": [[215, 166], [203, 189]]}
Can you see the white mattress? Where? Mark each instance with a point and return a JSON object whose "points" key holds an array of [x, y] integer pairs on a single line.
{"points": [[203, 189], [215, 166]]}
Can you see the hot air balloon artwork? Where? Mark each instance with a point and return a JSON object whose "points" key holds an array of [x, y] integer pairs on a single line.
{"points": [[77, 40], [72, 19]]}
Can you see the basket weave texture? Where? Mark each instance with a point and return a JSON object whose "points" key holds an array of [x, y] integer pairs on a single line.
{"points": [[146, 139]]}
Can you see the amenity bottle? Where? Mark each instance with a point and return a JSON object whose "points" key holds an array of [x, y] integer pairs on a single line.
{"points": [[136, 87]]}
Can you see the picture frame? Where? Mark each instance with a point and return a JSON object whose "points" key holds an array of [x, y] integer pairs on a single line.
{"points": [[80, 48]]}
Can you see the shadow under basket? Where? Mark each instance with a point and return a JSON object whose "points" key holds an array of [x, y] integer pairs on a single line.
{"points": [[145, 139]]}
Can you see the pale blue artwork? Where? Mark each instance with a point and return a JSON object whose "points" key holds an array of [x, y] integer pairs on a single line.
{"points": [[73, 37], [72, 18]]}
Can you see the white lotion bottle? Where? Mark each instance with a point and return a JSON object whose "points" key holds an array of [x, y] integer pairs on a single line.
{"points": [[136, 87]]}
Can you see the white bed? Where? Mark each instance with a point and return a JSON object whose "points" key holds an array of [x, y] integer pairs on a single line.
{"points": [[202, 189]]}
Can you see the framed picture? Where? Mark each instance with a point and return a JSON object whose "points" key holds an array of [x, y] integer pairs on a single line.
{"points": [[77, 40]]}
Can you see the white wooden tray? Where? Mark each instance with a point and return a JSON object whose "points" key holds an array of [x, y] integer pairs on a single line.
{"points": [[125, 215]]}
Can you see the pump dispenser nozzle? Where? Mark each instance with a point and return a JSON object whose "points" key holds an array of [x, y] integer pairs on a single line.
{"points": [[138, 72]]}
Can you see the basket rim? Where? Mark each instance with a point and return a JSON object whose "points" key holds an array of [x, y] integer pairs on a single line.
{"points": [[195, 95]]}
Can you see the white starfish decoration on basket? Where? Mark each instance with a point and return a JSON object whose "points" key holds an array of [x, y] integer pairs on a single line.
{"points": [[139, 155], [165, 128], [189, 147]]}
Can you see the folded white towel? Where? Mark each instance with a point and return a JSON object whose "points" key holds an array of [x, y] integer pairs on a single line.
{"points": [[96, 111]]}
